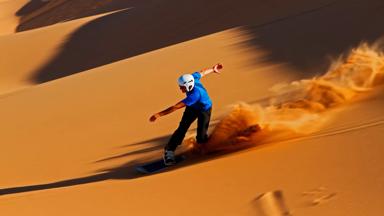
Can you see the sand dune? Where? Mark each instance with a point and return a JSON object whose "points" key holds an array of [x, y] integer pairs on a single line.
{"points": [[81, 79], [8, 18], [27, 51], [85, 46]]}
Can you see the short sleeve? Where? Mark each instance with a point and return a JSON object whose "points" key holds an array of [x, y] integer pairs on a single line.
{"points": [[196, 75], [191, 98]]}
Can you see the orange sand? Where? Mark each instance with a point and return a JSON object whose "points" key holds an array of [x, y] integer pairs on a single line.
{"points": [[75, 98]]}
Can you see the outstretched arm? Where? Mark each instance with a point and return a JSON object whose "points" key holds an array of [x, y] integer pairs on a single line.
{"points": [[167, 111], [215, 69]]}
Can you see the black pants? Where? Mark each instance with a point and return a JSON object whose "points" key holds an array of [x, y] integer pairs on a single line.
{"points": [[189, 116]]}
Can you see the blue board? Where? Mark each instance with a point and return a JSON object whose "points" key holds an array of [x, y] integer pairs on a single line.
{"points": [[157, 165]]}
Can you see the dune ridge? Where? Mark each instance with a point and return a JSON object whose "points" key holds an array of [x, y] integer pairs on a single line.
{"points": [[8, 18]]}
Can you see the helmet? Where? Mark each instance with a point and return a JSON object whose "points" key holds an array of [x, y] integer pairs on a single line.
{"points": [[187, 81]]}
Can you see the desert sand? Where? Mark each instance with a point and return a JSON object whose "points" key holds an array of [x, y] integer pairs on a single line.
{"points": [[9, 19], [80, 79]]}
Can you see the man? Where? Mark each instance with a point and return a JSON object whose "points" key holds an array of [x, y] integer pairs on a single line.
{"points": [[198, 106]]}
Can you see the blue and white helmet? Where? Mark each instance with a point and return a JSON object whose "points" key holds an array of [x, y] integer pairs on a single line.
{"points": [[187, 81]]}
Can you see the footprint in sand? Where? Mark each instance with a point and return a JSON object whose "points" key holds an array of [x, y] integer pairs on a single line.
{"points": [[318, 196], [271, 204]]}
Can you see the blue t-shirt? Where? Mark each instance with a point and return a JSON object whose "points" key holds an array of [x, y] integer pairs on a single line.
{"points": [[198, 98]]}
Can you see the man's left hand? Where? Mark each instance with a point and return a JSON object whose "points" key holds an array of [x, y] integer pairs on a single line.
{"points": [[154, 117], [217, 68]]}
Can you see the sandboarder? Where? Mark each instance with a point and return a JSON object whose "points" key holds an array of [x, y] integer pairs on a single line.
{"points": [[198, 106]]}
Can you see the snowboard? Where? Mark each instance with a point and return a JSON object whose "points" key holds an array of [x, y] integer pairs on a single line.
{"points": [[157, 165]]}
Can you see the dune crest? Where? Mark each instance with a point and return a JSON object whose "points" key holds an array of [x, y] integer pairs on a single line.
{"points": [[8, 18]]}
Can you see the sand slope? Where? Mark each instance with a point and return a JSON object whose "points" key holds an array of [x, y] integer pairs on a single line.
{"points": [[8, 18], [27, 51], [71, 138]]}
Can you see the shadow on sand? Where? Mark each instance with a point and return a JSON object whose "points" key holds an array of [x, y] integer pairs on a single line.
{"points": [[302, 36], [126, 171], [30, 7]]}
